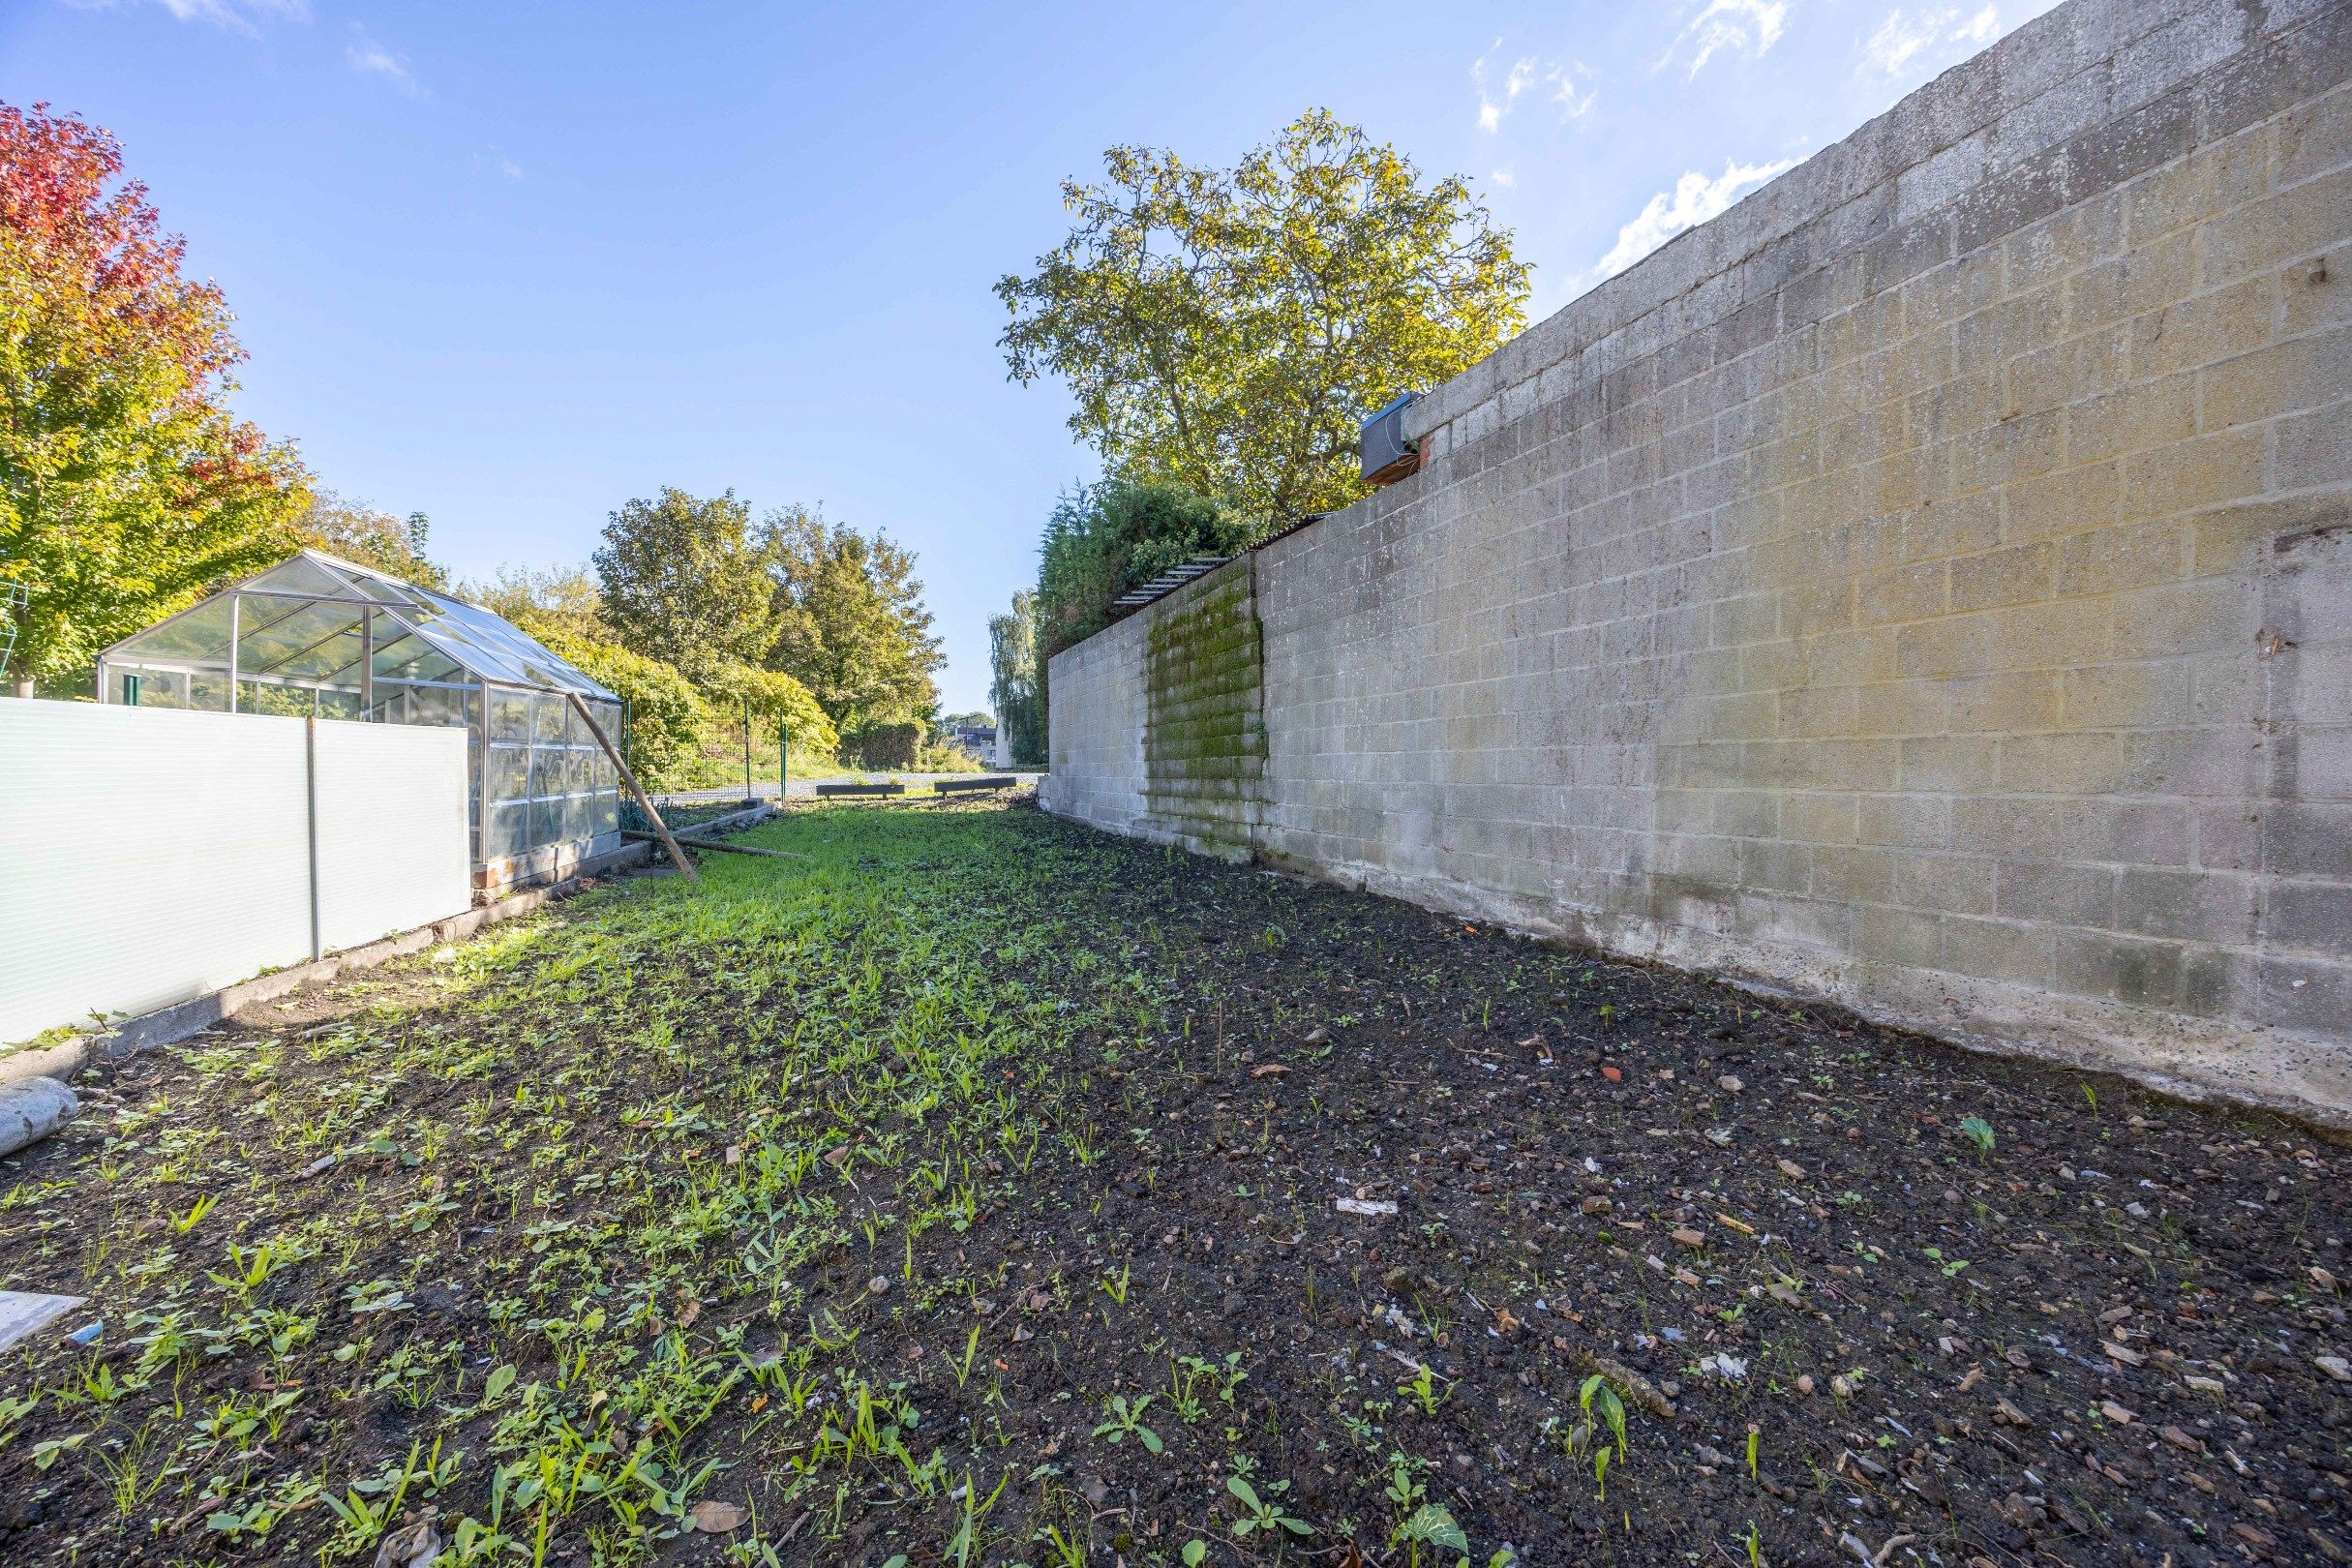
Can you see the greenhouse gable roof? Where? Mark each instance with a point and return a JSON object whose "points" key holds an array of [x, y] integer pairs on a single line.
{"points": [[310, 631]]}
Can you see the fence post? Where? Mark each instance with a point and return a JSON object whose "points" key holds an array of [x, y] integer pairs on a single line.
{"points": [[309, 790], [783, 761], [481, 789]]}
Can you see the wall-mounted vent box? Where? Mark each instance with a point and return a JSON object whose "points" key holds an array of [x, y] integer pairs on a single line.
{"points": [[1388, 455]]}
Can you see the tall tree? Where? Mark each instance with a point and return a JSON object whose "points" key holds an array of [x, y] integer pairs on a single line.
{"points": [[1226, 330], [849, 620], [359, 532], [126, 489], [1012, 665], [682, 582]]}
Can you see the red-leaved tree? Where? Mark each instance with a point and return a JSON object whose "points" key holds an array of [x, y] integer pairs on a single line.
{"points": [[127, 488]]}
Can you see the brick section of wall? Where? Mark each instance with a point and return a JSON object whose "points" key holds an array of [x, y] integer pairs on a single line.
{"points": [[1928, 585], [1204, 741]]}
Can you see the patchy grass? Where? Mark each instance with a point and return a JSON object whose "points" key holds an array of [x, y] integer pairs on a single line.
{"points": [[965, 1192]]}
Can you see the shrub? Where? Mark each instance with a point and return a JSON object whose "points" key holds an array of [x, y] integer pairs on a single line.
{"points": [[945, 757], [666, 717], [1119, 535], [882, 747], [774, 697]]}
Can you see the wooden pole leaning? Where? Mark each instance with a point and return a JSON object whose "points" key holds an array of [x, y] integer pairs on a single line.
{"points": [[678, 855]]}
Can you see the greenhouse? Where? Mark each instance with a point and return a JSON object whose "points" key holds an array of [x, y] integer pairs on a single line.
{"points": [[319, 636]]}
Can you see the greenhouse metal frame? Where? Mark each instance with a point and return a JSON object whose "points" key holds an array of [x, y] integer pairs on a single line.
{"points": [[318, 636]]}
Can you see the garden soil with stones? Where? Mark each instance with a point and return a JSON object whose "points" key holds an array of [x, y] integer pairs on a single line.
{"points": [[982, 1190]]}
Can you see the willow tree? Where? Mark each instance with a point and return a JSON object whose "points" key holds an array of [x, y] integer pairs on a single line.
{"points": [[1013, 685], [1226, 330]]}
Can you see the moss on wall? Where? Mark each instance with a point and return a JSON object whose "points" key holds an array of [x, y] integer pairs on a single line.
{"points": [[1204, 739]]}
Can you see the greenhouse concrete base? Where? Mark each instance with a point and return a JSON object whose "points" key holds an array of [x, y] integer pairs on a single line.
{"points": [[550, 863]]}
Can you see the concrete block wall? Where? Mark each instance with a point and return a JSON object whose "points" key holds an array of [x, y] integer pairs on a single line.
{"points": [[1094, 749], [1927, 586]]}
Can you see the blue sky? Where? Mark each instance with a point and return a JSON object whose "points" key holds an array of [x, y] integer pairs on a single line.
{"points": [[512, 264]]}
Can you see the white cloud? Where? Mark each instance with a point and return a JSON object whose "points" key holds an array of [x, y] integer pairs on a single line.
{"points": [[1907, 35], [1566, 81], [1504, 178], [236, 16], [371, 59], [1571, 85], [1899, 37], [1494, 100], [1694, 200], [1745, 26]]}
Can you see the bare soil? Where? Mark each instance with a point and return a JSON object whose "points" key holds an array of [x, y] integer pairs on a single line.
{"points": [[1858, 1295]]}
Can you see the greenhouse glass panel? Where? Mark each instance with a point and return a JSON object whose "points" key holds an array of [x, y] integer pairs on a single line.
{"points": [[510, 716], [201, 633], [409, 657], [313, 639], [509, 771], [302, 578]]}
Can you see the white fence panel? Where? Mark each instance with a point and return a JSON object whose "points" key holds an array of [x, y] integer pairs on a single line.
{"points": [[148, 856], [393, 850]]}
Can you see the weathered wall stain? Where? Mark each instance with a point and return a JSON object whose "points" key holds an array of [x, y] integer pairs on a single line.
{"points": [[1204, 739], [1926, 585]]}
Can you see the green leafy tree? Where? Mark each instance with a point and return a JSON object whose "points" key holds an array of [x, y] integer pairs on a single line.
{"points": [[1117, 535], [1226, 330], [667, 715], [1013, 685], [359, 532], [682, 582], [849, 621], [566, 597], [126, 489], [774, 698]]}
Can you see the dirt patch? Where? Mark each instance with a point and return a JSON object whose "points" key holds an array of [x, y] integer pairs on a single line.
{"points": [[972, 1192]]}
